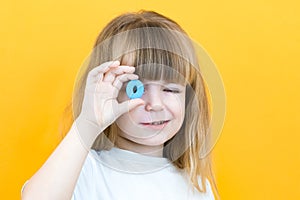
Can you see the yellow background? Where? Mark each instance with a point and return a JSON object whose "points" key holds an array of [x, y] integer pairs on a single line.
{"points": [[255, 45]]}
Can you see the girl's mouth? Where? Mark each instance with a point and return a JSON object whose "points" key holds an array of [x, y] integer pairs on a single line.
{"points": [[156, 124]]}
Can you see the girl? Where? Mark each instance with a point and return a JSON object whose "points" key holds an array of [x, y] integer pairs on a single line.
{"points": [[122, 147]]}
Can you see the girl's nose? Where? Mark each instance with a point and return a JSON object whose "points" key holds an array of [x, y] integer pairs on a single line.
{"points": [[153, 99]]}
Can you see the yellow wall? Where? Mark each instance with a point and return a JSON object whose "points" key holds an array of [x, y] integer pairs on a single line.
{"points": [[255, 45]]}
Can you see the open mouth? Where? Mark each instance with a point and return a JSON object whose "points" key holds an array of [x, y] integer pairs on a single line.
{"points": [[156, 124]]}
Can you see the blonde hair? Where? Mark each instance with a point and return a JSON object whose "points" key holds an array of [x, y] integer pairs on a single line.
{"points": [[193, 139]]}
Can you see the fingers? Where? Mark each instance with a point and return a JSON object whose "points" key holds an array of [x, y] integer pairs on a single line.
{"points": [[119, 81], [111, 74], [123, 69], [104, 67], [96, 74]]}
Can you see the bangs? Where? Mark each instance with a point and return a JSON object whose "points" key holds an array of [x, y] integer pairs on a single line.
{"points": [[157, 53], [156, 64]]}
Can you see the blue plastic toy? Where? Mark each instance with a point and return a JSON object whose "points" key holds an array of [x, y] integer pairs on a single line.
{"points": [[135, 89]]}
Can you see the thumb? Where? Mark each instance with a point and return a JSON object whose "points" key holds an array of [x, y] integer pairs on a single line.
{"points": [[126, 106]]}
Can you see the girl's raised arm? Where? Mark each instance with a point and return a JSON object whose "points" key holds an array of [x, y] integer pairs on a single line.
{"points": [[57, 178]]}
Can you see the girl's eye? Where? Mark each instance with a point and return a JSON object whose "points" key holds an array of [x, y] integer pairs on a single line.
{"points": [[171, 90]]}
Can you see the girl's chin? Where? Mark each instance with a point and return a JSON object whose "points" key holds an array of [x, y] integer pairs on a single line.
{"points": [[155, 140]]}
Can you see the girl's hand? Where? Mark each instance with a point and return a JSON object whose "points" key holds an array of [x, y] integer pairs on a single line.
{"points": [[100, 107]]}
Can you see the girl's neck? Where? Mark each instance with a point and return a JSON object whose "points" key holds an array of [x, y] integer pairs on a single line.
{"points": [[124, 143]]}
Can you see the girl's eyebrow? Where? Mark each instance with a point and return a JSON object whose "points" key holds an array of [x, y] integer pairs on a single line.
{"points": [[174, 85]]}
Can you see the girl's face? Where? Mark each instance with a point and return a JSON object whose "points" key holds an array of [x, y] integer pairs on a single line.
{"points": [[159, 119]]}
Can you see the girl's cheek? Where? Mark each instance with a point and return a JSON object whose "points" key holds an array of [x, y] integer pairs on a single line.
{"points": [[174, 98], [174, 103]]}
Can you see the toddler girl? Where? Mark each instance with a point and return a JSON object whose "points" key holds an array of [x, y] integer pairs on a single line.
{"points": [[141, 123]]}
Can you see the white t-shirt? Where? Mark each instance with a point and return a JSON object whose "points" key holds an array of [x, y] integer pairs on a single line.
{"points": [[120, 174]]}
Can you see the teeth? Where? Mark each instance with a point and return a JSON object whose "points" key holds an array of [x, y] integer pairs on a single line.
{"points": [[157, 123]]}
